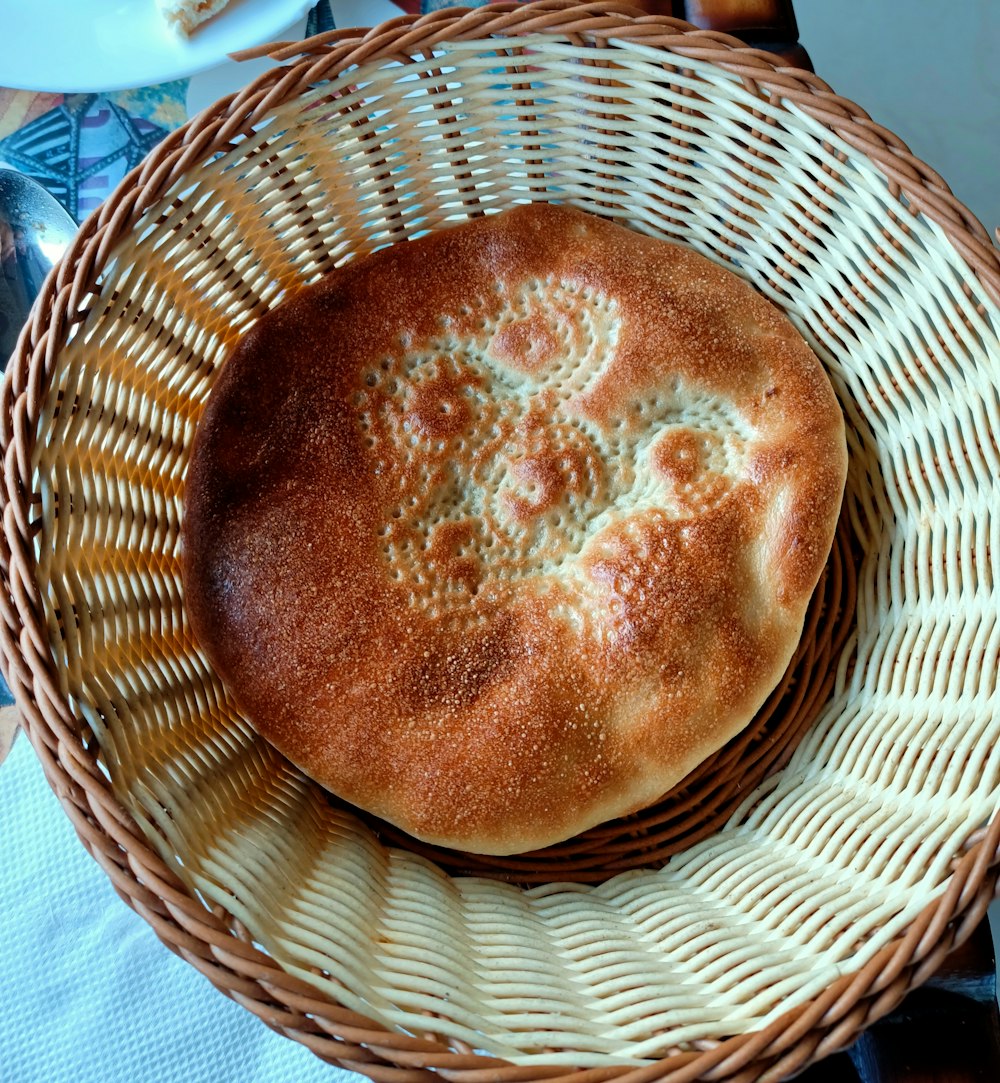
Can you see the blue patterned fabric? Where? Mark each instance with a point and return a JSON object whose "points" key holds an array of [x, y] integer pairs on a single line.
{"points": [[320, 19], [82, 149], [438, 5]]}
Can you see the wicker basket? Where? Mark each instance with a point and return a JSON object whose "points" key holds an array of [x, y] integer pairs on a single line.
{"points": [[784, 896]]}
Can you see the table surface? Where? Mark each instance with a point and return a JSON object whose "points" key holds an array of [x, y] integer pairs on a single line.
{"points": [[79, 146]]}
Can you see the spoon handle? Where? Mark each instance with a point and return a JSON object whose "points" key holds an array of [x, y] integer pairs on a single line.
{"points": [[34, 232]]}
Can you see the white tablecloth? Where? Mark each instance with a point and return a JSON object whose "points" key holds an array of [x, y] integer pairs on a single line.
{"points": [[88, 994]]}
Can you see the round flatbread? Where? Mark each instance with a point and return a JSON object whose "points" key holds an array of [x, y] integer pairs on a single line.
{"points": [[498, 533]]}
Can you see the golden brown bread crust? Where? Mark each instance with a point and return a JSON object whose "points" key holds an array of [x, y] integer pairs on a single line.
{"points": [[499, 533]]}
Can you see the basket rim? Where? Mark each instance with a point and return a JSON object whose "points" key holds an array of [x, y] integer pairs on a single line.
{"points": [[222, 951]]}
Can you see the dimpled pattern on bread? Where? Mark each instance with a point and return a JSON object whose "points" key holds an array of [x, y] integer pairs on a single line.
{"points": [[498, 533]]}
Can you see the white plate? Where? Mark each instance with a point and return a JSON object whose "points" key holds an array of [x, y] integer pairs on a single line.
{"points": [[93, 45]]}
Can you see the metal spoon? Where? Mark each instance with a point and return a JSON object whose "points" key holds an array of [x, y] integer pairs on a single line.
{"points": [[34, 233]]}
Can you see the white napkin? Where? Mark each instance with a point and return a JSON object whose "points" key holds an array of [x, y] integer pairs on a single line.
{"points": [[88, 994]]}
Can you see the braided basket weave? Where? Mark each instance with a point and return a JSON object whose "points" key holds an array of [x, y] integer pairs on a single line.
{"points": [[790, 891]]}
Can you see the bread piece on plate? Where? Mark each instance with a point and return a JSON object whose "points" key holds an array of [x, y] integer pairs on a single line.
{"points": [[499, 533], [185, 16]]}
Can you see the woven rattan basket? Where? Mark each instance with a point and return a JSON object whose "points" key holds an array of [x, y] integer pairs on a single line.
{"points": [[802, 881]]}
